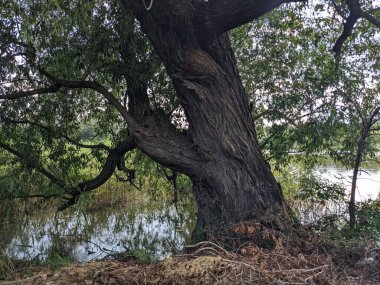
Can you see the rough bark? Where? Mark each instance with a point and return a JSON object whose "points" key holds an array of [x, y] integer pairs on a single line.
{"points": [[231, 179]]}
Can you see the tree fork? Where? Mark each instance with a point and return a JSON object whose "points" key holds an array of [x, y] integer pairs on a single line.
{"points": [[232, 181]]}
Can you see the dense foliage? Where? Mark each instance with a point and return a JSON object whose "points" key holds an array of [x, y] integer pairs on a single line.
{"points": [[305, 98]]}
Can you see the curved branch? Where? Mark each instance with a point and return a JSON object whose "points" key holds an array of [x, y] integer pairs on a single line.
{"points": [[356, 13], [74, 84], [347, 31], [108, 169]]}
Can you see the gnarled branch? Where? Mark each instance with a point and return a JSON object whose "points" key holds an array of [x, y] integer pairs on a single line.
{"points": [[108, 169]]}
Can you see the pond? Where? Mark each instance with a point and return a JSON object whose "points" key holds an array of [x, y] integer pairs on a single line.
{"points": [[159, 229]]}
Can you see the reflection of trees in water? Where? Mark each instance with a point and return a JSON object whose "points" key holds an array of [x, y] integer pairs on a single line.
{"points": [[156, 229]]}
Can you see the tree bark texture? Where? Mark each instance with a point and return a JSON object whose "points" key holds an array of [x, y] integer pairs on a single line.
{"points": [[231, 180]]}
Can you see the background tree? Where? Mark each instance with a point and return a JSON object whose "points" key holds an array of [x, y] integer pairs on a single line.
{"points": [[307, 101]]}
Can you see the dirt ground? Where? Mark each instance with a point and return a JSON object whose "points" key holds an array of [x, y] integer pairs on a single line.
{"points": [[209, 263]]}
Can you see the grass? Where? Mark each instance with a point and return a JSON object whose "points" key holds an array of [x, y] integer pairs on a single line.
{"points": [[12, 269]]}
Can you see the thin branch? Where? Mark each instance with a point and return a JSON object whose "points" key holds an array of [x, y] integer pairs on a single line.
{"points": [[107, 170], [374, 129], [281, 114], [371, 19], [43, 196], [372, 119], [354, 103], [122, 179], [74, 84], [50, 130], [129, 172]]}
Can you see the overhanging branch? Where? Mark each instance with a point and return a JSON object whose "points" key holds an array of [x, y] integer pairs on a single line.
{"points": [[113, 159], [27, 93], [75, 84], [108, 169]]}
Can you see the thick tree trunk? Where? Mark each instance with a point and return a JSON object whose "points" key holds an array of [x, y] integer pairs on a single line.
{"points": [[234, 182]]}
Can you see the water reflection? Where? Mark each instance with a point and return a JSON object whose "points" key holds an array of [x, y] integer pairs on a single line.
{"points": [[97, 234], [158, 229]]}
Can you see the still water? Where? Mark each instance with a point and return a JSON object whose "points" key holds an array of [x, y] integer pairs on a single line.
{"points": [[158, 229]]}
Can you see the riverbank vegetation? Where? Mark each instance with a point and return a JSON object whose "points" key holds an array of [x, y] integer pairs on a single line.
{"points": [[328, 251], [226, 107], [321, 262]]}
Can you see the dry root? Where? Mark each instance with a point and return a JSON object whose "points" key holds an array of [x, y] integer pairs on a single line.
{"points": [[211, 263], [297, 258]]}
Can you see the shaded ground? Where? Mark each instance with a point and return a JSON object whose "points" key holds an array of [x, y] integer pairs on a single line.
{"points": [[209, 263]]}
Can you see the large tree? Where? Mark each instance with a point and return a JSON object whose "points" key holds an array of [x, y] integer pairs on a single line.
{"points": [[58, 55]]}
